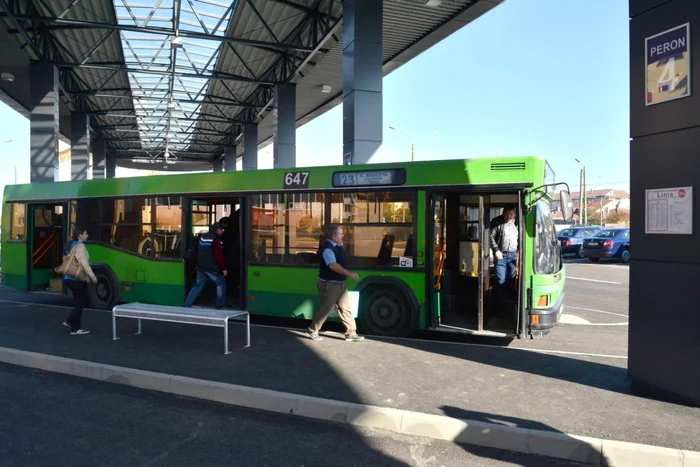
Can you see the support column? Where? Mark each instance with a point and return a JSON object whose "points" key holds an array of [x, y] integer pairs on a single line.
{"points": [[110, 165], [250, 146], [230, 158], [79, 146], [362, 80], [665, 129], [284, 127], [43, 117], [218, 165], [99, 148]]}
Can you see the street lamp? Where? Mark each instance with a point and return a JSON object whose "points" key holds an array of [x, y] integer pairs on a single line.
{"points": [[413, 146], [582, 198]]}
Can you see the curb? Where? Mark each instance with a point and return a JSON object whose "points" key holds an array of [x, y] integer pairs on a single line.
{"points": [[552, 444]]}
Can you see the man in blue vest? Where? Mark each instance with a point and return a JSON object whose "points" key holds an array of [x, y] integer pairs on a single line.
{"points": [[332, 273]]}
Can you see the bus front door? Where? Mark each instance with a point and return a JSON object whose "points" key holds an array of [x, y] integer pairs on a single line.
{"points": [[46, 239]]}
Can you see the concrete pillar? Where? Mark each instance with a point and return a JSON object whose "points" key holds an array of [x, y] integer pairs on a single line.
{"points": [[99, 148], [43, 122], [110, 165], [362, 80], [284, 126], [218, 165], [79, 146], [664, 322], [230, 158], [250, 146]]}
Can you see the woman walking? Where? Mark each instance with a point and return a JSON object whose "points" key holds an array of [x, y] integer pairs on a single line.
{"points": [[79, 285]]}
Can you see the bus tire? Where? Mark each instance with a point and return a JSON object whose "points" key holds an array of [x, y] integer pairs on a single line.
{"points": [[384, 311], [105, 294]]}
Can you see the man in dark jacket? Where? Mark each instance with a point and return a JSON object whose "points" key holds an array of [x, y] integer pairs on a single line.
{"points": [[210, 263], [332, 273], [504, 244]]}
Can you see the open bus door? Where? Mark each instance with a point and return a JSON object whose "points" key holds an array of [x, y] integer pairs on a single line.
{"points": [[46, 238], [202, 213], [438, 252]]}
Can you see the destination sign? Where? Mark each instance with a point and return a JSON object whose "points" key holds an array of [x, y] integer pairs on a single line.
{"points": [[388, 177]]}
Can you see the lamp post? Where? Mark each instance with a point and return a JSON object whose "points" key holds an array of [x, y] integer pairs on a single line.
{"points": [[582, 198], [413, 146]]}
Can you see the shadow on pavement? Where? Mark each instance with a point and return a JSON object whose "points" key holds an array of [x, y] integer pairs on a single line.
{"points": [[584, 454]]}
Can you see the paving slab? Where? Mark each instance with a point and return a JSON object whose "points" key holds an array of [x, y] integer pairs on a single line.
{"points": [[586, 396]]}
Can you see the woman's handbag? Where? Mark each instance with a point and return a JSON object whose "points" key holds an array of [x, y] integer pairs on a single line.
{"points": [[70, 266]]}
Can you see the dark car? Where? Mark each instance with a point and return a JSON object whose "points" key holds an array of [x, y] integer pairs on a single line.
{"points": [[608, 243], [571, 238]]}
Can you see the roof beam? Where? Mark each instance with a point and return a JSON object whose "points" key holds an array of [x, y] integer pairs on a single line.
{"points": [[308, 10], [63, 23], [14, 20], [167, 99], [210, 76]]}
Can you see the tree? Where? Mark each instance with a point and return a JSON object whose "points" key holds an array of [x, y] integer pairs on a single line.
{"points": [[618, 217]]}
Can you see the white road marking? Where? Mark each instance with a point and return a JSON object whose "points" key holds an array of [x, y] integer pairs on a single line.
{"points": [[593, 280], [597, 311], [598, 265], [564, 352], [578, 321]]}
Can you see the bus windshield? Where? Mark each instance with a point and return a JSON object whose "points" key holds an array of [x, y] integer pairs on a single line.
{"points": [[547, 248]]}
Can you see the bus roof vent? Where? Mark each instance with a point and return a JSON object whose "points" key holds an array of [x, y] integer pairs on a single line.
{"points": [[507, 166]]}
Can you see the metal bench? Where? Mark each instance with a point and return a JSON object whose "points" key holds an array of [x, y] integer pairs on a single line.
{"points": [[176, 314]]}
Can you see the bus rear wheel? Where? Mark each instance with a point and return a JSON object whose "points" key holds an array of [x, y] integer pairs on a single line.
{"points": [[384, 311], [103, 295]]}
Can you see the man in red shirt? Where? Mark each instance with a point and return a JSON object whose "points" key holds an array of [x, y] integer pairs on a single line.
{"points": [[210, 263]]}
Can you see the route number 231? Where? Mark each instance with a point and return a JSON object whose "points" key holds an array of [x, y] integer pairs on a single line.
{"points": [[296, 180]]}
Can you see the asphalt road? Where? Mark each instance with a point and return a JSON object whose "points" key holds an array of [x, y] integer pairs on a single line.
{"points": [[52, 419]]}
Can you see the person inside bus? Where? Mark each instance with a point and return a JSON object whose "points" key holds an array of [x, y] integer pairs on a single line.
{"points": [[231, 250], [210, 264], [504, 244]]}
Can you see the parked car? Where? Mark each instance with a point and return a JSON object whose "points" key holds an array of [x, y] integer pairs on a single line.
{"points": [[571, 239], [608, 243]]}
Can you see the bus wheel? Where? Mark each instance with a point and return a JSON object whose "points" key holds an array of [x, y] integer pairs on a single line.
{"points": [[103, 295], [384, 311]]}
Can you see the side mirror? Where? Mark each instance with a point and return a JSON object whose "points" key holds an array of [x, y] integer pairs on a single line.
{"points": [[567, 206]]}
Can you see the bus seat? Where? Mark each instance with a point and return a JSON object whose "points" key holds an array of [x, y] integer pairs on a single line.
{"points": [[385, 251], [408, 251]]}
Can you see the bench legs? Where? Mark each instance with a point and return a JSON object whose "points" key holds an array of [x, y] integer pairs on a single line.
{"points": [[114, 327], [247, 328], [226, 351], [139, 327]]}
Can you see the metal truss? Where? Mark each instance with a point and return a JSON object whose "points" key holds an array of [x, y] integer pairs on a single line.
{"points": [[182, 96]]}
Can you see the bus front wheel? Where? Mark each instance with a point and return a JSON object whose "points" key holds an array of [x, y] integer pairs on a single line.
{"points": [[384, 311]]}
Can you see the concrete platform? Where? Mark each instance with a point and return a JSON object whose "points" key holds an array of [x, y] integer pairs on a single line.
{"points": [[513, 387]]}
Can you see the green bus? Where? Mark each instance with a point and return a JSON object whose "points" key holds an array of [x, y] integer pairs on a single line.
{"points": [[416, 233]]}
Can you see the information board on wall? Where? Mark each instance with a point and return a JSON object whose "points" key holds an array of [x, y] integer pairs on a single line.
{"points": [[669, 211]]}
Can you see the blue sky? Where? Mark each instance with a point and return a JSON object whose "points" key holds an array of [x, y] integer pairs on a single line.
{"points": [[543, 77]]}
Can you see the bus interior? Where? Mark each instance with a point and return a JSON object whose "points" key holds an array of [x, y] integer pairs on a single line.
{"points": [[203, 213], [464, 281], [46, 239]]}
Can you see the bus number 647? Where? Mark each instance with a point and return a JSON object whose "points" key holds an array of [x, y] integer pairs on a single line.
{"points": [[296, 180]]}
